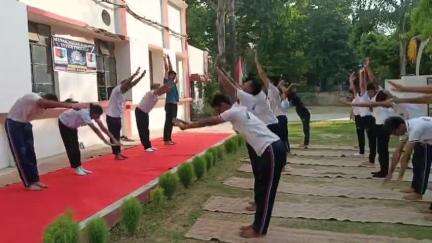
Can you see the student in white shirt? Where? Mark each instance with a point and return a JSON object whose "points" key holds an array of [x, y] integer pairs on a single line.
{"points": [[356, 111], [419, 132], [271, 156], [142, 114], [280, 105], [380, 114], [115, 109], [20, 134], [70, 121]]}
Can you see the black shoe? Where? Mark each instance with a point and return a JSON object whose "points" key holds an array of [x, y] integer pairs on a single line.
{"points": [[380, 175], [375, 172]]}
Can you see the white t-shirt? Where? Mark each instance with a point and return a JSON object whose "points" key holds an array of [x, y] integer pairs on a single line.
{"points": [[410, 110], [148, 102], [115, 104], [250, 127], [356, 109], [275, 100], [382, 113], [420, 130], [364, 111], [75, 119], [259, 105], [25, 108]]}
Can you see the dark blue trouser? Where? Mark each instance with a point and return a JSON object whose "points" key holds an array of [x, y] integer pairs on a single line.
{"points": [[114, 126], [283, 126], [360, 134], [20, 137], [268, 168], [142, 121], [421, 160]]}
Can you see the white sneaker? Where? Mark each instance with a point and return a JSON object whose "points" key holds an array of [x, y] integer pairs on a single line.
{"points": [[80, 172], [86, 171], [150, 150]]}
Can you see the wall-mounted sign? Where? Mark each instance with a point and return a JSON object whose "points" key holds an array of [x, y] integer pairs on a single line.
{"points": [[73, 56]]}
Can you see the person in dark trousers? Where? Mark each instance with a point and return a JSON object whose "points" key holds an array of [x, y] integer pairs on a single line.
{"points": [[115, 109], [270, 157], [419, 132], [171, 102], [19, 132], [70, 121], [356, 112], [142, 114], [302, 112]]}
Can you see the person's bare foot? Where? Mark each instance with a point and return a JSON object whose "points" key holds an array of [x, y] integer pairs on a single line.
{"points": [[169, 143], [249, 233], [407, 190], [34, 187], [41, 185], [251, 207], [245, 227], [413, 197], [119, 157]]}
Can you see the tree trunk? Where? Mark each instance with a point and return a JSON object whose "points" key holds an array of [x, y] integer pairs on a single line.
{"points": [[220, 26], [402, 55], [423, 44], [231, 45]]}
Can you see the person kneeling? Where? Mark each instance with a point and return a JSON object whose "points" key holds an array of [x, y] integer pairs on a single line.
{"points": [[70, 121], [271, 157]]}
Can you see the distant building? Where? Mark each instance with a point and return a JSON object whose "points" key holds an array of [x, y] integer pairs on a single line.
{"points": [[81, 49]]}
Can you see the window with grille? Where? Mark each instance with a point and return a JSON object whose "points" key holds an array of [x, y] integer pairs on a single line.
{"points": [[41, 58], [106, 69]]}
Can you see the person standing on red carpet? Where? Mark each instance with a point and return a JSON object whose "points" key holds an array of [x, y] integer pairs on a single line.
{"points": [[142, 114], [19, 131], [270, 151], [115, 109], [171, 101], [70, 121]]}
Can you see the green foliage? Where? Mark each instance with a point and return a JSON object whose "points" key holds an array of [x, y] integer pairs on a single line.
{"points": [[209, 159], [131, 212], [220, 151], [185, 174], [97, 231], [63, 230], [213, 152], [199, 166], [230, 146], [158, 197], [421, 19], [169, 183]]}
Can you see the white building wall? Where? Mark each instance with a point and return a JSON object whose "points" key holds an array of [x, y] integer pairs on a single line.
{"points": [[196, 60]]}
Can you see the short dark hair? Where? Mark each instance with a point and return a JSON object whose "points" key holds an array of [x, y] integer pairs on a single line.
{"points": [[70, 100], [256, 86], [172, 72], [381, 96], [393, 123], [371, 86], [218, 99], [51, 97], [96, 109]]}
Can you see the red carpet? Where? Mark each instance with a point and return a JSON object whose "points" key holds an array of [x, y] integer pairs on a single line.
{"points": [[24, 214]]}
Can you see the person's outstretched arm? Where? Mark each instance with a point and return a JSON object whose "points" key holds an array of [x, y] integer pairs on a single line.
{"points": [[425, 89], [387, 104], [206, 122], [163, 89], [368, 70], [106, 131], [101, 136], [132, 81], [262, 74], [362, 82], [50, 104], [226, 83], [426, 99], [395, 159], [405, 158]]}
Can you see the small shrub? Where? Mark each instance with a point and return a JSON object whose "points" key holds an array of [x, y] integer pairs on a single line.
{"points": [[220, 152], [230, 146], [131, 212], [63, 230], [158, 197], [185, 174], [213, 152], [240, 141], [97, 231], [169, 183], [208, 157], [199, 167]]}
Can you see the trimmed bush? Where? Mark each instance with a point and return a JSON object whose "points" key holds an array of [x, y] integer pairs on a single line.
{"points": [[63, 230], [220, 152], [199, 167], [158, 197], [213, 152], [97, 231], [240, 141], [230, 146], [185, 174], [208, 157], [131, 212], [169, 183]]}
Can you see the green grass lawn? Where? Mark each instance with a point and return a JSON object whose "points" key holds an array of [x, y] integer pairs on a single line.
{"points": [[171, 223]]}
